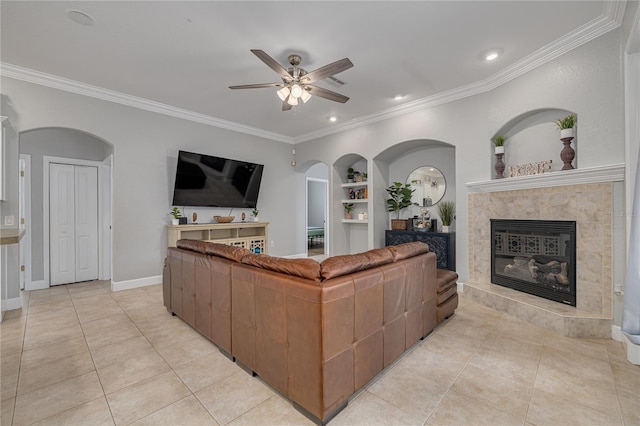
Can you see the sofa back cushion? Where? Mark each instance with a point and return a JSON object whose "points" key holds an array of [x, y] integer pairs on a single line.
{"points": [[193, 245], [226, 252], [406, 250], [346, 264], [303, 268]]}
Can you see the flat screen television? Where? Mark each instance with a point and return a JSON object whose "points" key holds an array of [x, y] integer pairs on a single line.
{"points": [[208, 181]]}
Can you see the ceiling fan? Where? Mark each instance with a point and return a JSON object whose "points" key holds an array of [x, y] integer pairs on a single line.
{"points": [[297, 82]]}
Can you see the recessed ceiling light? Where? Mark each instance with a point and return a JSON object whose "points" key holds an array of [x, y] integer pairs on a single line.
{"points": [[492, 54], [398, 97], [333, 119], [80, 17]]}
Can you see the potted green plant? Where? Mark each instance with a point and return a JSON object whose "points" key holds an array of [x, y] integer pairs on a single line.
{"points": [[347, 210], [399, 198], [255, 212], [498, 141], [177, 214], [350, 174], [364, 176], [447, 212], [566, 125]]}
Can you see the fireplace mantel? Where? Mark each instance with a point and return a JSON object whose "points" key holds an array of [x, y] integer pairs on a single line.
{"points": [[600, 174]]}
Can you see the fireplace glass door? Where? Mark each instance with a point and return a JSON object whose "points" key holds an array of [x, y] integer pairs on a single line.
{"points": [[535, 256]]}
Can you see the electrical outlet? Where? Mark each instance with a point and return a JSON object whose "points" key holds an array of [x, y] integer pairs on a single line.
{"points": [[9, 220], [272, 243]]}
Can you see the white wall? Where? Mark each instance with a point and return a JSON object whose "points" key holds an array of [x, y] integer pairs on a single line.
{"points": [[145, 147]]}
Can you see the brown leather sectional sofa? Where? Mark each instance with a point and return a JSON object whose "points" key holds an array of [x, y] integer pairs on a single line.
{"points": [[315, 332]]}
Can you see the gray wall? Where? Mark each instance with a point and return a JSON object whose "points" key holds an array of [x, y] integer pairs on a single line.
{"points": [[586, 80], [145, 148], [65, 143]]}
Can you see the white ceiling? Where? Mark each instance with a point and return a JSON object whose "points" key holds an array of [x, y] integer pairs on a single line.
{"points": [[182, 55]]}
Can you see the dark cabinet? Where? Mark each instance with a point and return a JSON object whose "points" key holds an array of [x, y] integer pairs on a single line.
{"points": [[443, 244]]}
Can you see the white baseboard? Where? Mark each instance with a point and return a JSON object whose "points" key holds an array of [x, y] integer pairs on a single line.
{"points": [[36, 285], [460, 287], [139, 282], [15, 303], [616, 333], [632, 350]]}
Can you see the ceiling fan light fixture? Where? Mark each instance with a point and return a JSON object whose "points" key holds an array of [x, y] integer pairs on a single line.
{"points": [[291, 100], [296, 90], [283, 93], [305, 96]]}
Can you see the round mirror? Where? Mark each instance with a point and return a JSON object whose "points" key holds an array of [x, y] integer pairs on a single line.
{"points": [[429, 185]]}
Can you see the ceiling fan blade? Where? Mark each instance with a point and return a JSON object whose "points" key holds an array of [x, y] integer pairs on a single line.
{"points": [[328, 70], [327, 94], [285, 105], [272, 63], [256, 86]]}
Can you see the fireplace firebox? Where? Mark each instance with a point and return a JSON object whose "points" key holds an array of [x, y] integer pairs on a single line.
{"points": [[535, 256]]}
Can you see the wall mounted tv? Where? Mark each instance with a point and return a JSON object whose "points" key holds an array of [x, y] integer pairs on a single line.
{"points": [[208, 181]]}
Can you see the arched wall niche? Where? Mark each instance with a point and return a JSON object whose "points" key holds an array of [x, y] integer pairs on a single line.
{"points": [[347, 237], [533, 137]]}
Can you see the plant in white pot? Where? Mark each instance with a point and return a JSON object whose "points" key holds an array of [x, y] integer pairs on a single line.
{"points": [[399, 198], [566, 125], [177, 214], [498, 142], [447, 212], [255, 212]]}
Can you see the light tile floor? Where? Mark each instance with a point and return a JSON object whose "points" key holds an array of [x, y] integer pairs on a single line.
{"points": [[83, 355]]}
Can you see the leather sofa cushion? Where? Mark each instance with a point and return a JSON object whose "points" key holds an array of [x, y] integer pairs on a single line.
{"points": [[406, 250], [227, 252], [303, 268], [446, 279], [337, 266], [193, 245]]}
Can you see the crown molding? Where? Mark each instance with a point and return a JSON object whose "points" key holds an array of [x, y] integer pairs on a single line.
{"points": [[611, 19], [60, 83]]}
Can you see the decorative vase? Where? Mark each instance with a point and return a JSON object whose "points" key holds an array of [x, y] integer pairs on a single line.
{"points": [[255, 218], [348, 215], [175, 221], [499, 165], [567, 154], [445, 228], [499, 149]]}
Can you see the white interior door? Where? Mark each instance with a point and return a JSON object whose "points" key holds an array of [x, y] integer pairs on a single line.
{"points": [[73, 222], [86, 215]]}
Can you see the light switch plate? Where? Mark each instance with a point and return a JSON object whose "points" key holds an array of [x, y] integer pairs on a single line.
{"points": [[9, 220]]}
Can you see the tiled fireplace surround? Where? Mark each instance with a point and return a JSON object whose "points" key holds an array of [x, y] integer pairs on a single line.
{"points": [[587, 204]]}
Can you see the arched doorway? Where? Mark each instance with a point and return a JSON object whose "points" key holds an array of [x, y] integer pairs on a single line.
{"points": [[43, 150]]}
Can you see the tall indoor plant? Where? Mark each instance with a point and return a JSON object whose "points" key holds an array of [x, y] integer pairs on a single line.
{"points": [[447, 212], [399, 198]]}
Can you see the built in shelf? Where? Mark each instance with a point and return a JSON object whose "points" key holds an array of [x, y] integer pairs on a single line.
{"points": [[354, 184], [600, 174], [354, 221], [355, 200]]}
